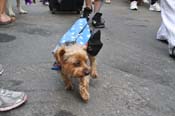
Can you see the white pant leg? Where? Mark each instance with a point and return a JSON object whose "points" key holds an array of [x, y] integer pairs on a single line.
{"points": [[167, 28]]}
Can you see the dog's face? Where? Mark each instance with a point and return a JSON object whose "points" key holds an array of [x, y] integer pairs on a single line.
{"points": [[73, 60]]}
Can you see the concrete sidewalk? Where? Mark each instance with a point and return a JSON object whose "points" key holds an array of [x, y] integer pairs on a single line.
{"points": [[136, 74]]}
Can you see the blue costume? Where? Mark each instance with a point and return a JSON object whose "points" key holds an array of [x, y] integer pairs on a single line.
{"points": [[78, 33]]}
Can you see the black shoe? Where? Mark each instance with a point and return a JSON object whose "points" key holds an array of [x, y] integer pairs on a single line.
{"points": [[86, 12], [172, 52], [97, 21]]}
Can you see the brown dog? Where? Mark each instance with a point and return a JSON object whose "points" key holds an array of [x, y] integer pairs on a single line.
{"points": [[75, 62]]}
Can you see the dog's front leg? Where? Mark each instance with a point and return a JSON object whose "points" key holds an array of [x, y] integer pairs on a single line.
{"points": [[10, 8], [67, 82], [94, 73], [84, 88], [21, 11]]}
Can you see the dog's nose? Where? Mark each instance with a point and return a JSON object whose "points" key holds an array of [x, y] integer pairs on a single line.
{"points": [[86, 71]]}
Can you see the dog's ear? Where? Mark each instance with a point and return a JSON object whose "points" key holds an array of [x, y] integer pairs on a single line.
{"points": [[59, 54]]}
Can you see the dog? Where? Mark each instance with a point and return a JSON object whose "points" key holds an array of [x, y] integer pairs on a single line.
{"points": [[76, 63], [10, 7]]}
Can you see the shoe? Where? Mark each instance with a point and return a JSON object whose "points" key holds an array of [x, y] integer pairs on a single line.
{"points": [[133, 5], [146, 1], [86, 12], [46, 3], [11, 99], [1, 69], [155, 7], [171, 51], [97, 21], [108, 1]]}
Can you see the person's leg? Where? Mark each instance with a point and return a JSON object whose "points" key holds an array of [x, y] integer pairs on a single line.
{"points": [[154, 6], [97, 18], [19, 6], [2, 6], [97, 5], [168, 20], [4, 19], [153, 1], [88, 3], [9, 5], [87, 10], [166, 30]]}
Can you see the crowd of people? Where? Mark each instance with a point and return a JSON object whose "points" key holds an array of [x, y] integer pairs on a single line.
{"points": [[12, 99]]}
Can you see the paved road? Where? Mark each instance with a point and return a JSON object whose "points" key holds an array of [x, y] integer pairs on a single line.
{"points": [[137, 76]]}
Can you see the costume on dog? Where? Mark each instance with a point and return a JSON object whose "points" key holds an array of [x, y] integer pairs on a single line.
{"points": [[80, 33]]}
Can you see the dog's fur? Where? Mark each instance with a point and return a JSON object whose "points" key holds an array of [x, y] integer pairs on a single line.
{"points": [[76, 63], [10, 7]]}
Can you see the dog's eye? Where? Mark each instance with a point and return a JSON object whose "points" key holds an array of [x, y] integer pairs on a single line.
{"points": [[77, 64]]}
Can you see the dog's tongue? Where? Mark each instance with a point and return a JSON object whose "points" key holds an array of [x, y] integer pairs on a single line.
{"points": [[56, 67]]}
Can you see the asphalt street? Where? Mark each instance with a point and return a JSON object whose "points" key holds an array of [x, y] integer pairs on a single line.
{"points": [[136, 74]]}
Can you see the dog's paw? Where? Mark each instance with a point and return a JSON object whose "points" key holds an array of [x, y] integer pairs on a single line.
{"points": [[94, 74], [85, 96], [84, 92]]}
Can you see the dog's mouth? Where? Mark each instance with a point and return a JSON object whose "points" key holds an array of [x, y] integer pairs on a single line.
{"points": [[82, 74]]}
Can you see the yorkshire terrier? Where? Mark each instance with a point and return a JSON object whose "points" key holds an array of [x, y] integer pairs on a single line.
{"points": [[76, 63]]}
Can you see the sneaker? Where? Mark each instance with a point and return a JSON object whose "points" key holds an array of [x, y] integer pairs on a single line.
{"points": [[86, 12], [1, 69], [146, 1], [46, 3], [97, 21], [171, 51], [11, 99], [107, 1], [155, 7], [133, 5]]}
